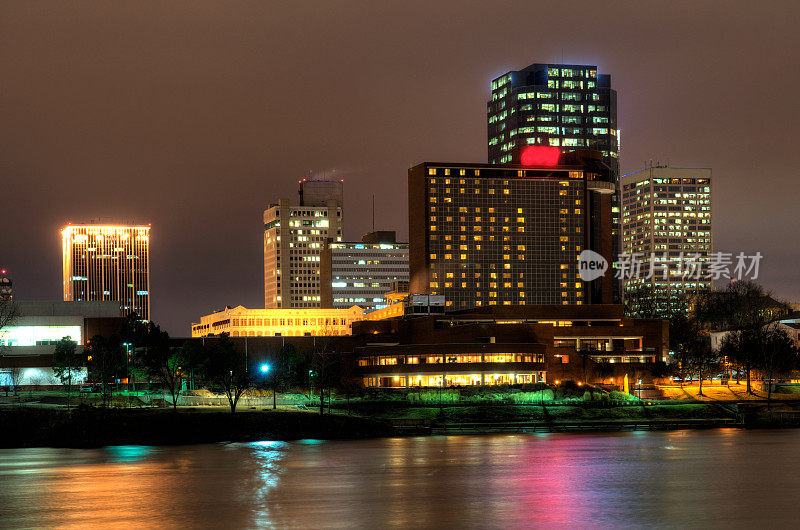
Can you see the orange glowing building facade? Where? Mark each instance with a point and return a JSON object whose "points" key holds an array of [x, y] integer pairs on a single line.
{"points": [[102, 262]]}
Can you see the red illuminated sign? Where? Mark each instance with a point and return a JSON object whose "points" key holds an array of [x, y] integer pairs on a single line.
{"points": [[540, 155]]}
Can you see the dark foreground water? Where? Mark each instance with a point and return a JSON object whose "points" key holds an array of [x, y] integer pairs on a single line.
{"points": [[719, 478]]}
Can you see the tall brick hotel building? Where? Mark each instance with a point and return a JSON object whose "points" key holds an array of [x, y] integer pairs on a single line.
{"points": [[486, 234]]}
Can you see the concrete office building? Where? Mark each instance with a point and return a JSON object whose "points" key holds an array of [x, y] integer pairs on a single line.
{"points": [[293, 240], [361, 273], [667, 222], [107, 262], [485, 234]]}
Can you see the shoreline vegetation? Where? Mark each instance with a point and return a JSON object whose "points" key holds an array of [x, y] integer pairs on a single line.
{"points": [[43, 419]]}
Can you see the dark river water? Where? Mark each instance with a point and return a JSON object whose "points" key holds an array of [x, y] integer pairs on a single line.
{"points": [[717, 478]]}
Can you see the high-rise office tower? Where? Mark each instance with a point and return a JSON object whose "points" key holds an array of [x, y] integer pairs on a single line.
{"points": [[293, 239], [484, 234], [108, 262], [563, 105], [570, 106], [361, 273], [666, 219]]}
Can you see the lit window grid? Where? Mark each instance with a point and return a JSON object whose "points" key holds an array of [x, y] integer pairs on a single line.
{"points": [[244, 322], [672, 217], [539, 271], [107, 262], [300, 267], [362, 273]]}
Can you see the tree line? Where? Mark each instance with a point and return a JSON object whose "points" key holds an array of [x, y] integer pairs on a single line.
{"points": [[754, 345], [144, 354]]}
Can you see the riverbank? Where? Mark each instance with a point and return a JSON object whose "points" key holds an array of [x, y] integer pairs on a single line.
{"points": [[34, 425], [95, 427]]}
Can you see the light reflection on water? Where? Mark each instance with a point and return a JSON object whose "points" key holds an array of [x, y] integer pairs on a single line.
{"points": [[685, 478]]}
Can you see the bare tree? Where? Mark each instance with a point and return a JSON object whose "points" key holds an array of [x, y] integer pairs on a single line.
{"points": [[323, 358], [66, 362], [159, 361], [8, 314], [106, 361], [228, 368], [779, 356], [744, 309]]}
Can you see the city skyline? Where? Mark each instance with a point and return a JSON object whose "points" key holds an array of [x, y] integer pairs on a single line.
{"points": [[75, 137]]}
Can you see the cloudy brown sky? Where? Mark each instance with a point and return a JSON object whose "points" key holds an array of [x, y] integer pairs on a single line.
{"points": [[193, 116]]}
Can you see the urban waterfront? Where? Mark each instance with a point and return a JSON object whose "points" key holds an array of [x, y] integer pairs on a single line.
{"points": [[712, 478]]}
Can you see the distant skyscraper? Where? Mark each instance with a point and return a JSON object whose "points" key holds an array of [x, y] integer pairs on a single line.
{"points": [[361, 273], [486, 234], [666, 213], [6, 287], [293, 239], [571, 106], [102, 262]]}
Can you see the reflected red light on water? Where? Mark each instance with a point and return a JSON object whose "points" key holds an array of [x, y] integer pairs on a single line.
{"points": [[540, 155]]}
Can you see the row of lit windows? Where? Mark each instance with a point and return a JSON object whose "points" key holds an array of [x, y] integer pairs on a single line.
{"points": [[304, 321]]}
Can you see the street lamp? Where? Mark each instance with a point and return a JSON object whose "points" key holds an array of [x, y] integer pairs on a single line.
{"points": [[264, 368], [127, 364]]}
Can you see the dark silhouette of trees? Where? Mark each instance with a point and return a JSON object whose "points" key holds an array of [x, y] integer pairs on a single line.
{"points": [[288, 369], [65, 362], [194, 360], [106, 361], [8, 313], [158, 361], [324, 358], [743, 309], [227, 368], [779, 356]]}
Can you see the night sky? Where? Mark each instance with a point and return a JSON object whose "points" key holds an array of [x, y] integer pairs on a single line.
{"points": [[193, 116]]}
